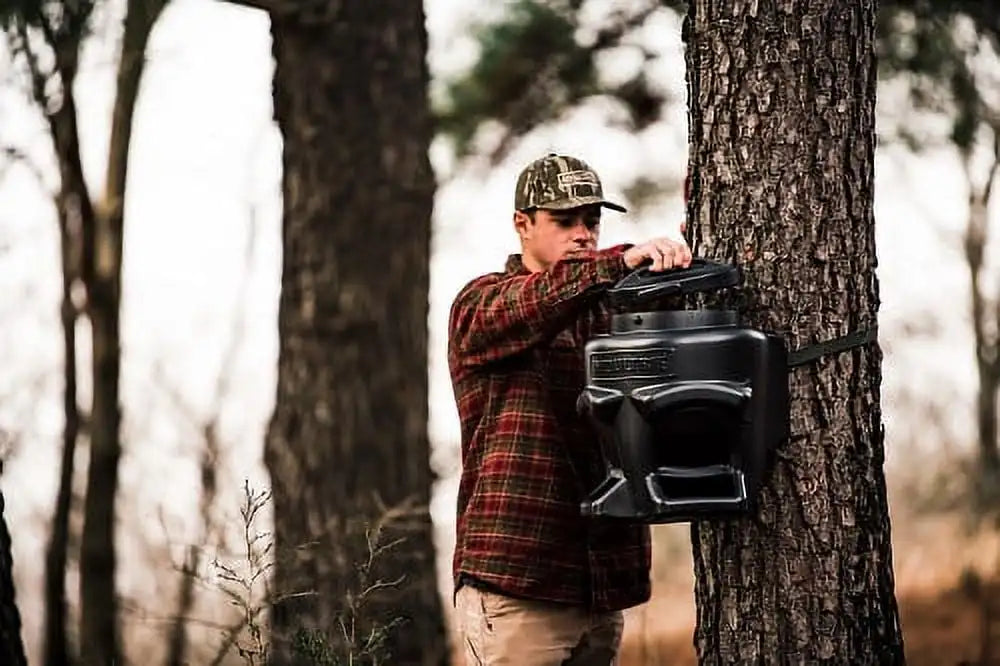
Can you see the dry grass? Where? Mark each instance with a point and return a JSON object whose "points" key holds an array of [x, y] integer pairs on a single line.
{"points": [[942, 618]]}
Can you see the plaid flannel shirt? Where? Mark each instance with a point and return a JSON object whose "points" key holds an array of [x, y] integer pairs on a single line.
{"points": [[515, 351]]}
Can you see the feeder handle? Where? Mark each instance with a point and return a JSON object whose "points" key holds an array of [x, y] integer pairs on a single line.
{"points": [[642, 284]]}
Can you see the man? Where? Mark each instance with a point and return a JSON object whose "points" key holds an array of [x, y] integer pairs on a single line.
{"points": [[538, 584]]}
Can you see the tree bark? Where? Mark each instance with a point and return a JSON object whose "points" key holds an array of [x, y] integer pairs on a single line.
{"points": [[782, 133], [99, 636], [348, 436]]}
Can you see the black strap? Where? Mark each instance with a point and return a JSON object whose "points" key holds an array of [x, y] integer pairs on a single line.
{"points": [[809, 353]]}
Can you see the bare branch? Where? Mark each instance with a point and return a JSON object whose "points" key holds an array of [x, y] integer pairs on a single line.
{"points": [[20, 43], [231, 636], [136, 609], [379, 585], [994, 363], [994, 167], [314, 11], [622, 24], [273, 7]]}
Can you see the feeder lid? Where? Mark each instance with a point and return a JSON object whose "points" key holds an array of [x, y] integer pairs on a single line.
{"points": [[642, 285]]}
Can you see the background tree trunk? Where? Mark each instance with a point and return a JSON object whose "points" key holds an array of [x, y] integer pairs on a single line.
{"points": [[76, 215], [984, 318], [782, 122], [99, 636], [349, 433], [11, 646], [55, 648]]}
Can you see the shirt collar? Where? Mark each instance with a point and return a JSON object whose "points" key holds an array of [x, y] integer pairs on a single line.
{"points": [[515, 265]]}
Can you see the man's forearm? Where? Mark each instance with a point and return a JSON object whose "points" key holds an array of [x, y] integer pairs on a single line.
{"points": [[496, 319]]}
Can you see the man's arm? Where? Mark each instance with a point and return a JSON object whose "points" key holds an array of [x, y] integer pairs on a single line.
{"points": [[495, 319]]}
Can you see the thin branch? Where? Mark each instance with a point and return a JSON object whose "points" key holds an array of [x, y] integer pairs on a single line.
{"points": [[612, 35], [380, 585], [994, 365], [139, 613], [317, 10], [232, 635], [273, 7], [22, 46]]}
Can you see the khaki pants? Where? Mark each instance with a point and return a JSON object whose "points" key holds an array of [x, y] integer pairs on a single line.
{"points": [[496, 630]]}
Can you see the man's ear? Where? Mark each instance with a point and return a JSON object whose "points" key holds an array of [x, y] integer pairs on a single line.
{"points": [[522, 223]]}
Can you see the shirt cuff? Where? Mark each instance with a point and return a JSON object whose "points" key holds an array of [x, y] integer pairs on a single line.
{"points": [[611, 265]]}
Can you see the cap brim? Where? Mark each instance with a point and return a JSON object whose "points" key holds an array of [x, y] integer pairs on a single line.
{"points": [[576, 202]]}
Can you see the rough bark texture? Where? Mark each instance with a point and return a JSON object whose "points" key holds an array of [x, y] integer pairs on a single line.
{"points": [[349, 432], [11, 646], [782, 101]]}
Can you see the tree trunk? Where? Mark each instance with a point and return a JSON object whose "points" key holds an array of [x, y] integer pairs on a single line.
{"points": [[984, 319], [54, 640], [986, 418], [177, 642], [349, 433], [782, 102], [77, 222], [11, 646], [99, 637]]}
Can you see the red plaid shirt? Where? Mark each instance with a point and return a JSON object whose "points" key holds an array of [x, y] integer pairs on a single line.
{"points": [[515, 351]]}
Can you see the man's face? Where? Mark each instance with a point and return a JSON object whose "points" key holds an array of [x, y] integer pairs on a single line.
{"points": [[557, 234]]}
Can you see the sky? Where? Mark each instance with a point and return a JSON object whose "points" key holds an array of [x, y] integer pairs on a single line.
{"points": [[202, 260]]}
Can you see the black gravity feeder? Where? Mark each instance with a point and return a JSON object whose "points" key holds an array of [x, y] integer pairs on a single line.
{"points": [[689, 405]]}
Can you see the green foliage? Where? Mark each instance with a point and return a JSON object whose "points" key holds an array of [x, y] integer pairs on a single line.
{"points": [[932, 45], [532, 68], [534, 37], [311, 647]]}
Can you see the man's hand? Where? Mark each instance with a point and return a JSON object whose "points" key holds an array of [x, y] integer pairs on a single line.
{"points": [[663, 253]]}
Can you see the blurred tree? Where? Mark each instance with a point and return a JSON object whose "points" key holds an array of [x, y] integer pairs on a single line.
{"points": [[782, 136], [46, 37], [348, 439], [947, 53], [11, 645]]}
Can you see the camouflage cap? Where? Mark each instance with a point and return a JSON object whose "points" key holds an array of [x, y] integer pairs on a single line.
{"points": [[558, 182]]}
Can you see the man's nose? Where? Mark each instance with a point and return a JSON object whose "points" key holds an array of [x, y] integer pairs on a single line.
{"points": [[581, 231]]}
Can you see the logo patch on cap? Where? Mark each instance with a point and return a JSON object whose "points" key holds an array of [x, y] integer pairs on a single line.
{"points": [[570, 178]]}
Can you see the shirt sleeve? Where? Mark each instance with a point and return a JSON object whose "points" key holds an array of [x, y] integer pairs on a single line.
{"points": [[496, 317]]}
